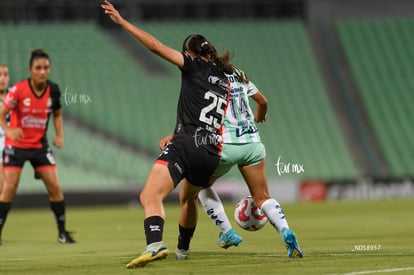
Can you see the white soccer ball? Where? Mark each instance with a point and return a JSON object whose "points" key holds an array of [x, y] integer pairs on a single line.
{"points": [[248, 216]]}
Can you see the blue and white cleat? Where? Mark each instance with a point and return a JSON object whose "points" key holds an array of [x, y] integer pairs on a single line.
{"points": [[293, 248], [153, 252], [230, 238]]}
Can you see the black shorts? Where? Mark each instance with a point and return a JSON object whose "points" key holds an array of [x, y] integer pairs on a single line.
{"points": [[187, 160], [42, 158]]}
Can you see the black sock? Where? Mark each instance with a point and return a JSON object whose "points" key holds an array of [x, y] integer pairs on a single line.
{"points": [[153, 227], [184, 237], [58, 209], [4, 210]]}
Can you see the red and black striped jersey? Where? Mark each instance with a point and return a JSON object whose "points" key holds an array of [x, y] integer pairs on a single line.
{"points": [[31, 113]]}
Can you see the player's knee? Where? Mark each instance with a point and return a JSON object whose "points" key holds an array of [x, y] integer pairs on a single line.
{"points": [[142, 198], [8, 191], [147, 197]]}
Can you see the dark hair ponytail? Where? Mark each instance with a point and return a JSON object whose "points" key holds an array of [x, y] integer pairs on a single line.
{"points": [[193, 43], [199, 45], [241, 75], [38, 53]]}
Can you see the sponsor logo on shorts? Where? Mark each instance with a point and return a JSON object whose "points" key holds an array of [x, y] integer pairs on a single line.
{"points": [[178, 167], [51, 158]]}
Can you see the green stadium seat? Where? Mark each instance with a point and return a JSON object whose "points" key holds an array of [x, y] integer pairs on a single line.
{"points": [[140, 107], [381, 58], [277, 56]]}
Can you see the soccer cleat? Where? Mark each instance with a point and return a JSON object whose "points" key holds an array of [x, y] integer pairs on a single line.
{"points": [[65, 237], [292, 246], [230, 238], [153, 252], [181, 254]]}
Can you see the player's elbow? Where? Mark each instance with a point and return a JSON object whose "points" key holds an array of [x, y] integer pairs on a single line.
{"points": [[260, 99], [263, 101], [57, 112]]}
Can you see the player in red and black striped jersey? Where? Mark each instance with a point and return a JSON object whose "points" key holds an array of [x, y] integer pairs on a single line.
{"points": [[194, 151], [30, 103]]}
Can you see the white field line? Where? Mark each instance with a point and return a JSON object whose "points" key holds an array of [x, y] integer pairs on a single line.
{"points": [[376, 271]]}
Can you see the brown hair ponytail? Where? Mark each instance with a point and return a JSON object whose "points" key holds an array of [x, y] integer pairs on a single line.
{"points": [[199, 45], [222, 62]]}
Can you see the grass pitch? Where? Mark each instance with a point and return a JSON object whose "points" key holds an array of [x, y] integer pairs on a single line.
{"points": [[352, 237]]}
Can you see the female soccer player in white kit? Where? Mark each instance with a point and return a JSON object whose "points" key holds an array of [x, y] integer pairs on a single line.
{"points": [[242, 147]]}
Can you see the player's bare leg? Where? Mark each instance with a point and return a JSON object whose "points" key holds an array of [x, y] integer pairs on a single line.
{"points": [[57, 203], [1, 177], [255, 177], [188, 218], [51, 181], [10, 183], [158, 185]]}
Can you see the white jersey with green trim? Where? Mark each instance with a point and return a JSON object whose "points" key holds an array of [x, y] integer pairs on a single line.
{"points": [[239, 126]]}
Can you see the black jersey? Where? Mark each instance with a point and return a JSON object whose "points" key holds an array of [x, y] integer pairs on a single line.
{"points": [[202, 103]]}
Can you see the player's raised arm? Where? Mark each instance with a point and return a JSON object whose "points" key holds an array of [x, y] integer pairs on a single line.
{"points": [[145, 38]]}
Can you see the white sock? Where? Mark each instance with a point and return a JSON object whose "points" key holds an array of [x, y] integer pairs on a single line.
{"points": [[275, 214], [214, 208]]}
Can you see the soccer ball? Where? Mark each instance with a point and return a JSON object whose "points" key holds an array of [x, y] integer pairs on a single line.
{"points": [[248, 216]]}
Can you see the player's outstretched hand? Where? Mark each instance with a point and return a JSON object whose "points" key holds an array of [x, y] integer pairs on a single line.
{"points": [[58, 142], [15, 134], [112, 12], [260, 119]]}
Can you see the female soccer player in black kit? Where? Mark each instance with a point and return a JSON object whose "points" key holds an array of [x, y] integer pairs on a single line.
{"points": [[194, 151]]}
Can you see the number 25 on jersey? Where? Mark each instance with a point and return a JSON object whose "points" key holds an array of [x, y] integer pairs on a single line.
{"points": [[218, 104]]}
